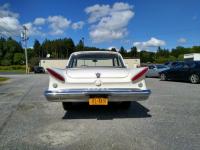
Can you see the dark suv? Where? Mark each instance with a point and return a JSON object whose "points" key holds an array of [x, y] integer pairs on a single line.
{"points": [[38, 69], [187, 71]]}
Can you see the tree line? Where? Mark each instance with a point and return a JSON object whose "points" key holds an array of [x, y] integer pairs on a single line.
{"points": [[12, 52]]}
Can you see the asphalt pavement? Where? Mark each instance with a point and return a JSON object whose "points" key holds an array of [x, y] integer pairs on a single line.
{"points": [[169, 119]]}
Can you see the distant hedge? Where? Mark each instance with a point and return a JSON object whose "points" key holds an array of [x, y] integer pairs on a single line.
{"points": [[13, 67]]}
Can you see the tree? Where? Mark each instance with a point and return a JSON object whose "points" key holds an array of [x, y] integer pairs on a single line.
{"points": [[2, 48], [80, 46], [113, 49], [37, 49], [133, 52], [181, 57], [122, 51], [147, 56], [46, 48], [162, 52], [7, 59], [70, 47], [179, 50], [18, 59]]}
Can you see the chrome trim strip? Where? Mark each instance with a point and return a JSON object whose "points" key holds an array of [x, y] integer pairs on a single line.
{"points": [[82, 94]]}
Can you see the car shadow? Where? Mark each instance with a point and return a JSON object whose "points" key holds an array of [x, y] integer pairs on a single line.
{"points": [[177, 81], [112, 111]]}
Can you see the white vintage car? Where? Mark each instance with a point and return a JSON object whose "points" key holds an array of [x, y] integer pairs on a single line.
{"points": [[96, 77]]}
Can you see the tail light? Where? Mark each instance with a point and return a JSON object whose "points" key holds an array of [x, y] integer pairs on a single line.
{"points": [[140, 74], [56, 75]]}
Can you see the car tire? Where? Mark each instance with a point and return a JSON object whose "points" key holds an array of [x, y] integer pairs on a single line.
{"points": [[126, 105], [163, 77], [66, 105], [194, 79]]}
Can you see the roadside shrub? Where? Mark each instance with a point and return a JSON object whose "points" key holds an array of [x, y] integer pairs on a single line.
{"points": [[13, 67], [6, 62], [18, 58]]}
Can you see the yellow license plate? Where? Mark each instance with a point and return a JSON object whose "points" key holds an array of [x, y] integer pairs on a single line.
{"points": [[98, 101]]}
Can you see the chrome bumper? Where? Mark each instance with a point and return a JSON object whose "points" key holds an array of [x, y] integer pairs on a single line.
{"points": [[82, 95]]}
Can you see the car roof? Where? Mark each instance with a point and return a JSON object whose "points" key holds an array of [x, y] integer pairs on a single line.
{"points": [[89, 52]]}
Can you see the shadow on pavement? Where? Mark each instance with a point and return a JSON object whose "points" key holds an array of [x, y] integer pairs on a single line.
{"points": [[112, 111]]}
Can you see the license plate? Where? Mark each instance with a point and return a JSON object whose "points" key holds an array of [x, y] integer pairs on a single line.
{"points": [[98, 101]]}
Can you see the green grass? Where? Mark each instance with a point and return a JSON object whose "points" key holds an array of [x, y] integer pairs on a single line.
{"points": [[2, 79], [13, 69]]}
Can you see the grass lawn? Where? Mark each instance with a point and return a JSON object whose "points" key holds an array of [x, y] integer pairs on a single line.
{"points": [[14, 71], [2, 79]]}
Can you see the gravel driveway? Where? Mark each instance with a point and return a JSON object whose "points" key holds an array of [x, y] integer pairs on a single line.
{"points": [[170, 119]]}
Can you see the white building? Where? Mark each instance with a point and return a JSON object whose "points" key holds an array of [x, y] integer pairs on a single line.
{"points": [[192, 57], [61, 63]]}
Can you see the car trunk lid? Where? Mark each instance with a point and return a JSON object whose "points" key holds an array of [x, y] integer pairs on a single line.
{"points": [[81, 73]]}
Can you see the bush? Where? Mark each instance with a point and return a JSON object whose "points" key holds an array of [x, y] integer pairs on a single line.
{"points": [[6, 62], [18, 58], [165, 59], [13, 67]]}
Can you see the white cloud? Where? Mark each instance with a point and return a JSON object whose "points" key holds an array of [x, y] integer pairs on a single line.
{"points": [[39, 21], [11, 26], [153, 42], [33, 30], [9, 23], [78, 25], [58, 24], [97, 12], [5, 12], [109, 22], [182, 40]]}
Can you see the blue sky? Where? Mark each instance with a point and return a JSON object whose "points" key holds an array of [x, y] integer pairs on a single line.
{"points": [[145, 24]]}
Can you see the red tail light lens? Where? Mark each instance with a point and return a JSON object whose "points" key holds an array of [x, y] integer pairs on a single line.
{"points": [[140, 74], [56, 75]]}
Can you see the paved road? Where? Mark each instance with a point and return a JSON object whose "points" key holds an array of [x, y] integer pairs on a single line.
{"points": [[168, 120]]}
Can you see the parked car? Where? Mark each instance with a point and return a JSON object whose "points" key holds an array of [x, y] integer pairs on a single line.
{"points": [[188, 71], [96, 77], [171, 64], [155, 69], [38, 69]]}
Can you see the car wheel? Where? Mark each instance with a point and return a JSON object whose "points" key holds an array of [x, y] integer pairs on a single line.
{"points": [[163, 77], [126, 105], [194, 78], [66, 105]]}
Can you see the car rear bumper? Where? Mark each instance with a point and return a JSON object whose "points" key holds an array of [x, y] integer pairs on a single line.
{"points": [[82, 95]]}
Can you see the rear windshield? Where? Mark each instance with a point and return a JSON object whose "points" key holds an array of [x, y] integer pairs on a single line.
{"points": [[96, 60]]}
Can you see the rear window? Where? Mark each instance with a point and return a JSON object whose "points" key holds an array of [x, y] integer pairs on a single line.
{"points": [[96, 60]]}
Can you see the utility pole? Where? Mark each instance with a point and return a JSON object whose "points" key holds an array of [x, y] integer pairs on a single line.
{"points": [[24, 39]]}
